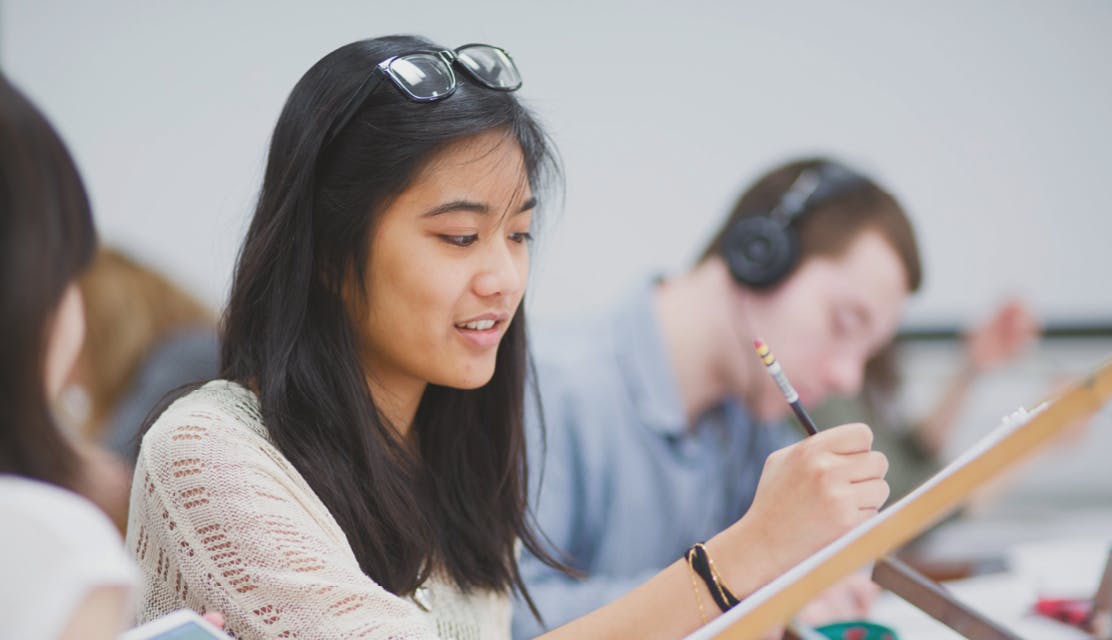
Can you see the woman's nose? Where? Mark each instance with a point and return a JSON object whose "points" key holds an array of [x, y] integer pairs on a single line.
{"points": [[503, 271]]}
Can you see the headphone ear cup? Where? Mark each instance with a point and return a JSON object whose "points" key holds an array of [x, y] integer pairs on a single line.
{"points": [[760, 251]]}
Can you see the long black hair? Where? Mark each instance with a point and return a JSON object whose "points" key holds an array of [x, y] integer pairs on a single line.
{"points": [[456, 501], [47, 239]]}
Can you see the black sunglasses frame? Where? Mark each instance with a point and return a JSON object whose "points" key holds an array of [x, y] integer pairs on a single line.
{"points": [[384, 70]]}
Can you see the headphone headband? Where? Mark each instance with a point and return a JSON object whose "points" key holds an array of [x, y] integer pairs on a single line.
{"points": [[813, 186]]}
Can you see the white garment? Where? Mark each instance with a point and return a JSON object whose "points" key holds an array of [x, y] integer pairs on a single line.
{"points": [[220, 520], [55, 548]]}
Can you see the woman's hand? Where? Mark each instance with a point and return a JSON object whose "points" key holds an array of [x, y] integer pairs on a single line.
{"points": [[810, 493]]}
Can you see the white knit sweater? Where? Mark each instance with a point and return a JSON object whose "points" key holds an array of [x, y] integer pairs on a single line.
{"points": [[221, 521]]}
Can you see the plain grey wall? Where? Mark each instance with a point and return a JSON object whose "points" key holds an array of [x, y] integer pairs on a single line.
{"points": [[989, 119]]}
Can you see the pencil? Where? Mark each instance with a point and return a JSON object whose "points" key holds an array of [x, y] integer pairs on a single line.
{"points": [[777, 373]]}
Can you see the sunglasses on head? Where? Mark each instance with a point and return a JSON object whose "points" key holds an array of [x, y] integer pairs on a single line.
{"points": [[427, 76]]}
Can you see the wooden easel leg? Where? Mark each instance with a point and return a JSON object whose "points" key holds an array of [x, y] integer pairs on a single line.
{"points": [[1100, 622], [936, 601]]}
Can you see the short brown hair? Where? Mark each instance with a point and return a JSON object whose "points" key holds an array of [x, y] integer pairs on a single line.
{"points": [[830, 226]]}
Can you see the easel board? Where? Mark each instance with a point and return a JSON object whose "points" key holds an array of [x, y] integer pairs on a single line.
{"points": [[775, 603]]}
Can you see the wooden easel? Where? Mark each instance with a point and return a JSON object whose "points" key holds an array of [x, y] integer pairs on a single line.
{"points": [[775, 603]]}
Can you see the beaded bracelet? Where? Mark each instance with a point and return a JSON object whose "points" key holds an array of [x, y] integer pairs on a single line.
{"points": [[699, 560]]}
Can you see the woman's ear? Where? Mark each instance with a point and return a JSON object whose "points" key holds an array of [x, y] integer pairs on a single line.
{"points": [[64, 338]]}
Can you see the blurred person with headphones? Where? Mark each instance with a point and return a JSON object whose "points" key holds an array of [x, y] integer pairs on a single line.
{"points": [[659, 416]]}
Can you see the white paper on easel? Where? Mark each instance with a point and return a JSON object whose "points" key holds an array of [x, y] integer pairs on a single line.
{"points": [[1009, 424]]}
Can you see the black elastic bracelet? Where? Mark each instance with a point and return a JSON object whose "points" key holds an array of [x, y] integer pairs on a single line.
{"points": [[699, 560]]}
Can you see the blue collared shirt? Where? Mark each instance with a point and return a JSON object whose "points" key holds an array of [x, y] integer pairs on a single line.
{"points": [[628, 485]]}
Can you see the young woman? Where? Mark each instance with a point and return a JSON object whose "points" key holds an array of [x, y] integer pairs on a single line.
{"points": [[360, 469], [65, 573]]}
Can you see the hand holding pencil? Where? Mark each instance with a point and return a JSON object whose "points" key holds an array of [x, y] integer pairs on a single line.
{"points": [[815, 490]]}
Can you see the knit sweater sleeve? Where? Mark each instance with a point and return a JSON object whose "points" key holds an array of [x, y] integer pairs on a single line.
{"points": [[220, 521]]}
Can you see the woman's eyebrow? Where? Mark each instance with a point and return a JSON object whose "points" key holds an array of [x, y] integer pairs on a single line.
{"points": [[473, 207], [457, 205], [529, 205]]}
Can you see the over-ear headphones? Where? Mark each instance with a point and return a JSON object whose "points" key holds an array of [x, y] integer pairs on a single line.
{"points": [[761, 249]]}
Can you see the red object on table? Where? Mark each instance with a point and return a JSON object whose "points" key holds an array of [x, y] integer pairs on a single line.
{"points": [[1072, 611]]}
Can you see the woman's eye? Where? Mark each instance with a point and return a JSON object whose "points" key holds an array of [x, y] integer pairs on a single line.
{"points": [[460, 241], [522, 237]]}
